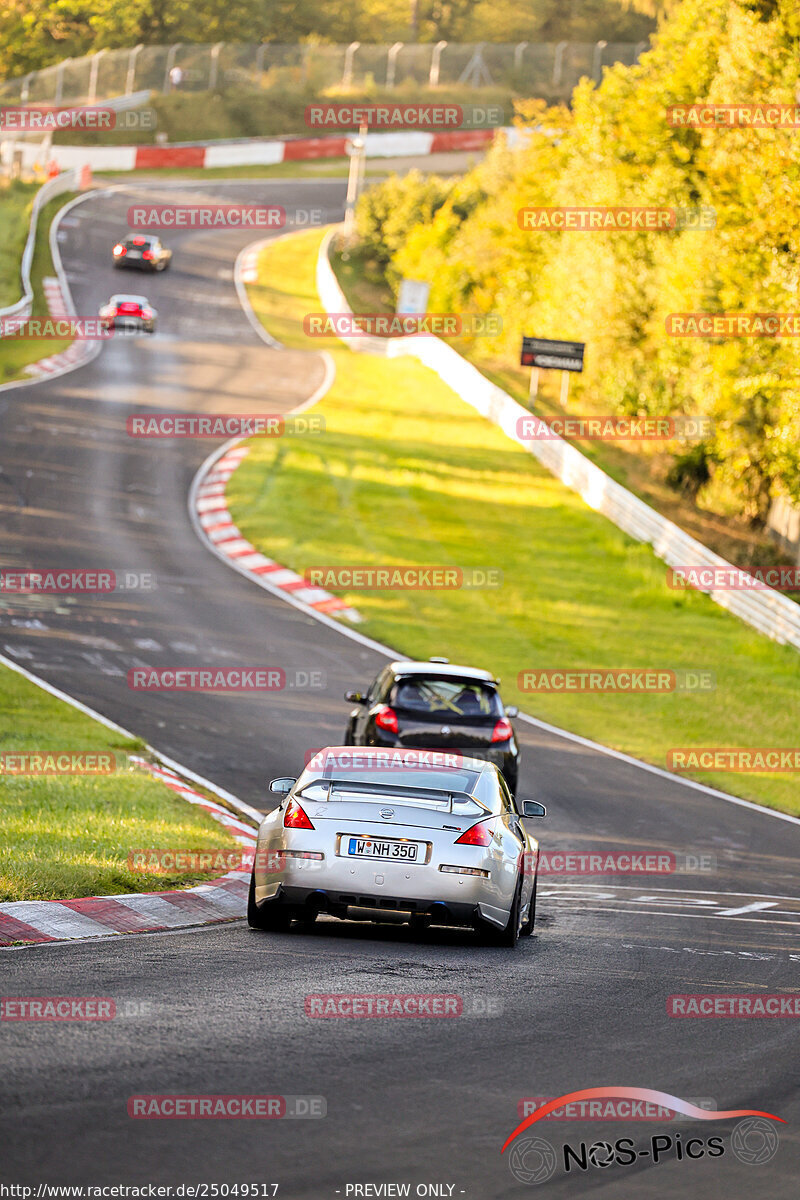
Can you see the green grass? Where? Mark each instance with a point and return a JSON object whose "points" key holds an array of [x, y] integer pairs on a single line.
{"points": [[15, 211], [407, 473], [18, 353], [69, 836]]}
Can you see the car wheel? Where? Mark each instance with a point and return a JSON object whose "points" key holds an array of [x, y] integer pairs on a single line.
{"points": [[527, 925], [348, 736], [508, 936], [271, 915]]}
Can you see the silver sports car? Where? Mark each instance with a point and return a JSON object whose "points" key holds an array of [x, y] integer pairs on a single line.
{"points": [[397, 835]]}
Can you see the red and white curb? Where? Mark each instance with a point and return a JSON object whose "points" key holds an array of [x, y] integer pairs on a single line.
{"points": [[147, 912], [225, 539], [75, 353], [263, 152]]}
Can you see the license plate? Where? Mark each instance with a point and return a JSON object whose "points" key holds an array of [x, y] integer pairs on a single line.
{"points": [[374, 848], [134, 254]]}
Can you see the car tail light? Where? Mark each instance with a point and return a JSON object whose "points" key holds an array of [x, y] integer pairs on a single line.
{"points": [[148, 254], [502, 730], [477, 835], [386, 718], [146, 313], [295, 817], [118, 249]]}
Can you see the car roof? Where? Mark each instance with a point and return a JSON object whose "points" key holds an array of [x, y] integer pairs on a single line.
{"points": [[444, 670], [148, 237], [125, 296]]}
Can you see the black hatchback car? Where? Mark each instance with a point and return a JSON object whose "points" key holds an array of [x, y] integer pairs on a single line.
{"points": [[436, 706], [142, 251]]}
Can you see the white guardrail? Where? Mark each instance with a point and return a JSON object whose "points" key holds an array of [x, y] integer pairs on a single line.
{"points": [[764, 609], [66, 181]]}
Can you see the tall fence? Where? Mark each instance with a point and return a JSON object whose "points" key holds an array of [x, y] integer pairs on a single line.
{"points": [[550, 69]]}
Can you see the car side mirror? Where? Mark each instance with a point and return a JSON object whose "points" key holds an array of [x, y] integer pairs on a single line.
{"points": [[532, 808], [282, 786], [355, 697], [512, 711]]}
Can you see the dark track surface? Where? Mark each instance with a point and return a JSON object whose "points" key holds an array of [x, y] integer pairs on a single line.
{"points": [[421, 1101]]}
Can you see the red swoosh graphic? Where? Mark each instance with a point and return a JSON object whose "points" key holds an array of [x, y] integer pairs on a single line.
{"points": [[652, 1097]]}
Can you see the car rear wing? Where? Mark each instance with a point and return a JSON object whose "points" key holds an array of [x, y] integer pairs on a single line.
{"points": [[383, 793]]}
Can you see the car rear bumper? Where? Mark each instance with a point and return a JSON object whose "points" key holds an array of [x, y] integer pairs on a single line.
{"points": [[358, 905]]}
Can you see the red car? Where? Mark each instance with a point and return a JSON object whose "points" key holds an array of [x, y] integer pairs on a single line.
{"points": [[129, 312]]}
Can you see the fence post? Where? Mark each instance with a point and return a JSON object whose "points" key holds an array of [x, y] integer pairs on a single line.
{"points": [[519, 50], [597, 61], [131, 72], [93, 72], [558, 61], [60, 81], [391, 63], [173, 50], [260, 52], [436, 58], [349, 55], [25, 90], [214, 68]]}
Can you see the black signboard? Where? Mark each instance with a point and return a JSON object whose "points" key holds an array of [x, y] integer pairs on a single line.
{"points": [[552, 355]]}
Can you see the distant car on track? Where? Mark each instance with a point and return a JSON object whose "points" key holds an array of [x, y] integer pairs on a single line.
{"points": [[411, 836], [142, 251], [436, 705], [129, 312]]}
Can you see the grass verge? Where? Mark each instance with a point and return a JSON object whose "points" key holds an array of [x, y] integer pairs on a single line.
{"points": [[18, 353], [641, 466], [407, 473], [62, 837]]}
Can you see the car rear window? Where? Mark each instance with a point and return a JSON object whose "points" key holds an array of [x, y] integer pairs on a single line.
{"points": [[442, 698]]}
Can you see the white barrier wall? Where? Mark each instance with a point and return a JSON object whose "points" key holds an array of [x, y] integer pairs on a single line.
{"points": [[764, 609], [66, 182]]}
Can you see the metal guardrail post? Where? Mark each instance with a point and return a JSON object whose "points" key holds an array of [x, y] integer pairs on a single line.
{"points": [[349, 55], [25, 90], [173, 50], [436, 58], [391, 63], [519, 50], [60, 81], [213, 71], [558, 62], [131, 72], [597, 61], [260, 52], [93, 73]]}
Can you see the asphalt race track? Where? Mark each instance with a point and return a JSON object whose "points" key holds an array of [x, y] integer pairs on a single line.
{"points": [[221, 1010]]}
